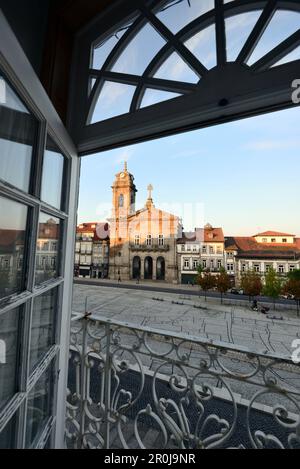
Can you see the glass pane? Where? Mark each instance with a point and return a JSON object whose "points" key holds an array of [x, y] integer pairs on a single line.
{"points": [[282, 25], [140, 51], [53, 168], [174, 68], [203, 46], [102, 50], [9, 323], [114, 100], [48, 248], [39, 407], [17, 135], [42, 328], [157, 96], [175, 15], [294, 55], [92, 82], [238, 29], [8, 435], [13, 221]]}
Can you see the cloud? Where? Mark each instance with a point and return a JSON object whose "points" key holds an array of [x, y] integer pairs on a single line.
{"points": [[265, 145], [188, 153]]}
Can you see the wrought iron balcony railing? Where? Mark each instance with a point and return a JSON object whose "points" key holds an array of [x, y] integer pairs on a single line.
{"points": [[136, 387], [151, 247]]}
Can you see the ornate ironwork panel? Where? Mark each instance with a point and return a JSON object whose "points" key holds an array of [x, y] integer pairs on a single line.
{"points": [[135, 387]]}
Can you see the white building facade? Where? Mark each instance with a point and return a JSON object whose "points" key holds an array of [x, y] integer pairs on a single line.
{"points": [[202, 248]]}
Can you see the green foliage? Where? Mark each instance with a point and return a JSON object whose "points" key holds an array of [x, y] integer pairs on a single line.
{"points": [[292, 287], [294, 275], [251, 283], [222, 283], [206, 281], [273, 285]]}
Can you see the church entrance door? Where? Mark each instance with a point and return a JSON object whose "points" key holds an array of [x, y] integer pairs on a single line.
{"points": [[148, 268], [160, 268], [136, 268]]}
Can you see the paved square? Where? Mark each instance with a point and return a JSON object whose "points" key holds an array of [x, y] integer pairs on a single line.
{"points": [[232, 324]]}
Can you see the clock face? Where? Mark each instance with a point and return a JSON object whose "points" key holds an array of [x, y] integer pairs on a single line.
{"points": [[122, 175]]}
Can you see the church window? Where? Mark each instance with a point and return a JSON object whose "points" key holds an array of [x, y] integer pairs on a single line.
{"points": [[149, 240], [161, 240], [137, 240], [121, 200]]}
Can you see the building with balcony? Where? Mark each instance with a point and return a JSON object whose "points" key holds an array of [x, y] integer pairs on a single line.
{"points": [[270, 249], [142, 242], [203, 247], [92, 250]]}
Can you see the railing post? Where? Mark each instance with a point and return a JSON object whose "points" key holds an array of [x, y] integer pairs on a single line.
{"points": [[83, 381], [107, 386]]}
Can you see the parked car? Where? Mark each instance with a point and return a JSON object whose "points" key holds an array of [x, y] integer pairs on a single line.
{"points": [[236, 291], [287, 297]]}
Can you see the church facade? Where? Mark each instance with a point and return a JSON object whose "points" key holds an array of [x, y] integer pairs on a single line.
{"points": [[142, 242]]}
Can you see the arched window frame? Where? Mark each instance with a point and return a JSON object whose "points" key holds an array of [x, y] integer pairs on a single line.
{"points": [[230, 92]]}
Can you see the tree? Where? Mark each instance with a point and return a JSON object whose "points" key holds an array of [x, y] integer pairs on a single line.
{"points": [[292, 287], [223, 283], [206, 282], [251, 284], [273, 285]]}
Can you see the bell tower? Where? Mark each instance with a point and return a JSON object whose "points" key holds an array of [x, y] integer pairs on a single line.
{"points": [[124, 193]]}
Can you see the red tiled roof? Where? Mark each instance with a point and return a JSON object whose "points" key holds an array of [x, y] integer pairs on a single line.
{"points": [[207, 235], [273, 233], [83, 227], [49, 230], [100, 230], [249, 247], [10, 237], [214, 235]]}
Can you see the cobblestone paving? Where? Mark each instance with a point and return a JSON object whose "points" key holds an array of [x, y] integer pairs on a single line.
{"points": [[193, 316]]}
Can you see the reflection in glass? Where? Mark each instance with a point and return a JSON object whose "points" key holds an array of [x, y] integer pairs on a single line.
{"points": [[8, 435], [140, 51], [17, 136], [42, 328], [114, 100], [48, 247], [283, 24], [176, 15], [203, 46], [39, 407], [174, 68], [238, 29], [53, 168], [8, 355], [13, 220], [101, 51], [157, 96]]}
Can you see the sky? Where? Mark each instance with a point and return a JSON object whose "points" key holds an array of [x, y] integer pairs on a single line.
{"points": [[242, 176]]}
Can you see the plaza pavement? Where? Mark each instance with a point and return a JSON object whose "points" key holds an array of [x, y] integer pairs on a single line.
{"points": [[233, 323]]}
